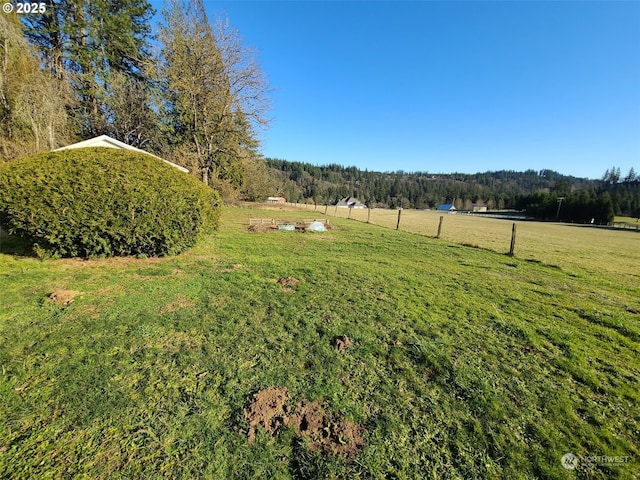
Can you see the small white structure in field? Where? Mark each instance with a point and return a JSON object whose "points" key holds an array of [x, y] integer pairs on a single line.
{"points": [[107, 141], [316, 227], [350, 202]]}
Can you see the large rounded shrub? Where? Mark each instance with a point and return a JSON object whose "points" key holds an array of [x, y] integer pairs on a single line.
{"points": [[104, 202]]}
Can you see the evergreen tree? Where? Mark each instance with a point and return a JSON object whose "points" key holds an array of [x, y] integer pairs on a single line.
{"points": [[86, 43]]}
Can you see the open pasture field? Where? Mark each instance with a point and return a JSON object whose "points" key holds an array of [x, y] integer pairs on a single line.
{"points": [[443, 361], [575, 248]]}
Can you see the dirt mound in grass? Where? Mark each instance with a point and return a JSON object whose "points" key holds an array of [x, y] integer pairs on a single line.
{"points": [[267, 409], [63, 298], [342, 343], [337, 436], [328, 434], [288, 283]]}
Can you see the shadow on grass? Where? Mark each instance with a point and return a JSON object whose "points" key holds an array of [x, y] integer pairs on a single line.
{"points": [[13, 245], [544, 264]]}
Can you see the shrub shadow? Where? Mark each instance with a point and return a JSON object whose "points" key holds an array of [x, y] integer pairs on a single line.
{"points": [[14, 245]]}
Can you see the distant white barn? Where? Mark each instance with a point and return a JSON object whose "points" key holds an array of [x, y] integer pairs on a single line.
{"points": [[107, 141], [350, 202]]}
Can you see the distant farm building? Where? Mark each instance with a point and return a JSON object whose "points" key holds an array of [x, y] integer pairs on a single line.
{"points": [[276, 200], [478, 208], [107, 141], [447, 207], [350, 202]]}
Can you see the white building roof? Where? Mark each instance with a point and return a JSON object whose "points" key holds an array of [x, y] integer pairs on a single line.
{"points": [[107, 141]]}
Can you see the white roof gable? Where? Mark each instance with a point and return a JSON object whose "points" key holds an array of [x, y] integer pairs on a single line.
{"points": [[107, 141]]}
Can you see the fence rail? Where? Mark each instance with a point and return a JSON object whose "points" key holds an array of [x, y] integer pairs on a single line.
{"points": [[624, 225]]}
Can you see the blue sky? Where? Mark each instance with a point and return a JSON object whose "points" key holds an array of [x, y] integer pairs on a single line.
{"points": [[449, 86]]}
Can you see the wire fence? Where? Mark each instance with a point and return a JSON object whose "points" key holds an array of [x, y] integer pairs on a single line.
{"points": [[558, 244]]}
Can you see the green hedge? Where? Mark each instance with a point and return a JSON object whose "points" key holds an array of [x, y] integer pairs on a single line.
{"points": [[104, 202]]}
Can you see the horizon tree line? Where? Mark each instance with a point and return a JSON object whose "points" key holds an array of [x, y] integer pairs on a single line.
{"points": [[535, 192]]}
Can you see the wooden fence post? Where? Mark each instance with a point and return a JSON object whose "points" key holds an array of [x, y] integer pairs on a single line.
{"points": [[335, 212], [513, 240], [398, 224], [350, 208], [369, 215], [325, 209], [440, 226]]}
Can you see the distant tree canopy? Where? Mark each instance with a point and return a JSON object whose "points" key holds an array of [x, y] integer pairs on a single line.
{"points": [[536, 192], [586, 206]]}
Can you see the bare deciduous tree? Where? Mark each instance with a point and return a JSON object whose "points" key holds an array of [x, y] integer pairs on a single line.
{"points": [[132, 112], [32, 101], [214, 86]]}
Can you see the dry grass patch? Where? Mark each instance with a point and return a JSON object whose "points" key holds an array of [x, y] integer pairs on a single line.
{"points": [[180, 302]]}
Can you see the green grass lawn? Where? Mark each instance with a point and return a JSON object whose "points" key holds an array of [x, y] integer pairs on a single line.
{"points": [[465, 363]]}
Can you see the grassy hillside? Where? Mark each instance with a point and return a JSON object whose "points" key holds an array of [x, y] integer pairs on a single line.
{"points": [[462, 363]]}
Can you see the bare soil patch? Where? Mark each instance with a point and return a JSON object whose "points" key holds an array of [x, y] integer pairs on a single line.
{"points": [[330, 435], [342, 343], [326, 433], [261, 228], [266, 409], [63, 298], [288, 283]]}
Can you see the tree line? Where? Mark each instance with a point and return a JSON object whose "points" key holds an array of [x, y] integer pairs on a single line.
{"points": [[188, 91], [534, 192]]}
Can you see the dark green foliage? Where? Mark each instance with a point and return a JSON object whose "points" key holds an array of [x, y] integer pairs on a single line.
{"points": [[104, 202], [329, 183], [529, 190], [580, 207]]}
